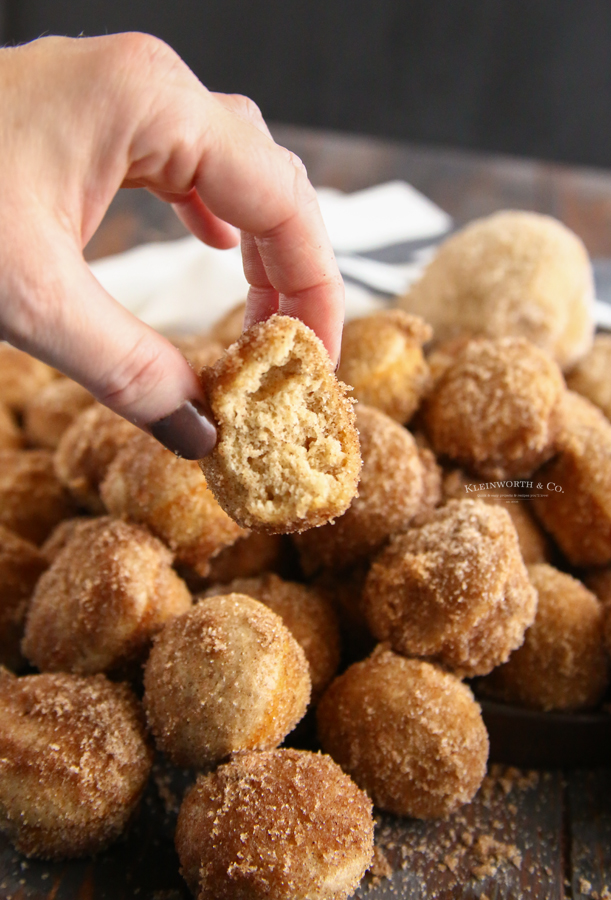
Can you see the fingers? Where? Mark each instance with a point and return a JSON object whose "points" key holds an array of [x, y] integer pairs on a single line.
{"points": [[64, 317]]}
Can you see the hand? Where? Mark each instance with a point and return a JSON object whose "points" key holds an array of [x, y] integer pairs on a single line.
{"points": [[82, 118]]}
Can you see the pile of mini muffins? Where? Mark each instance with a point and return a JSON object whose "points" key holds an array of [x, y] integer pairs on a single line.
{"points": [[332, 568]]}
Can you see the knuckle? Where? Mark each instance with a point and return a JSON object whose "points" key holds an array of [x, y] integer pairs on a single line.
{"points": [[137, 376]]}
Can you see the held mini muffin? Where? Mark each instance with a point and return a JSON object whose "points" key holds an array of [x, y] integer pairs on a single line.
{"points": [[287, 456]]}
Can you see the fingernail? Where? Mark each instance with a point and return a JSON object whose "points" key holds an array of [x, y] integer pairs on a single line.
{"points": [[188, 431]]}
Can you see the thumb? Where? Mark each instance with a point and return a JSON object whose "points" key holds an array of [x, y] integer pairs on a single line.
{"points": [[61, 314]]}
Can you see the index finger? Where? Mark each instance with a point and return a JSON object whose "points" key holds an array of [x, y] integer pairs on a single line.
{"points": [[243, 177]]}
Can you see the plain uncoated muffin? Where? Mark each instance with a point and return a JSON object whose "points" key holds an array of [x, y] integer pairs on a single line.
{"points": [[287, 456]]}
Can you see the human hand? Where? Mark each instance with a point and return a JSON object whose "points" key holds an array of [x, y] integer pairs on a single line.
{"points": [[82, 118]]}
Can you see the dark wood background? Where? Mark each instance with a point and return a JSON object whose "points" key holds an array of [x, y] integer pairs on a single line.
{"points": [[516, 76]]}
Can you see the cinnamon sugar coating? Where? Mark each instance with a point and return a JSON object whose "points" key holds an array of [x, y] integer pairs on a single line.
{"points": [[562, 664], [307, 614], [21, 565], [410, 734], [382, 360], [287, 456], [279, 824], [51, 411], [61, 534], [32, 499], [85, 451], [73, 762], [576, 504], [454, 589], [516, 274], [398, 481], [108, 591], [226, 676], [11, 436], [590, 377], [21, 377], [150, 485], [495, 409], [534, 545]]}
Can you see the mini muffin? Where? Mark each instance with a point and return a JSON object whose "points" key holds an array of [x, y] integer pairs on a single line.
{"points": [[344, 591], [562, 664], [590, 377], [280, 824], [32, 499], [383, 362], [533, 543], [21, 565], [495, 409], [253, 554], [226, 676], [51, 411], [395, 485], [199, 349], [512, 274], [21, 377], [454, 589], [61, 534], [229, 327], [73, 762], [287, 456], [307, 614], [86, 450], [149, 484], [574, 502], [410, 734], [11, 436], [96, 608]]}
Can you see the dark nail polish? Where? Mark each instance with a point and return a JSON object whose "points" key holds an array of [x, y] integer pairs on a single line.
{"points": [[187, 432]]}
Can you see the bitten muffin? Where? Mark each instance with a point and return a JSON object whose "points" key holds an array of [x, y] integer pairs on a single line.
{"points": [[150, 485], [562, 664], [287, 456], [307, 614], [32, 499], [512, 274], [410, 734], [96, 608], [74, 761], [574, 501], [51, 411], [21, 565], [495, 409], [280, 824], [85, 451], [226, 676], [382, 360], [396, 484], [454, 589]]}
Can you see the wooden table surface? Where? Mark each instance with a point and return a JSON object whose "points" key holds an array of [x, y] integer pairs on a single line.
{"points": [[542, 834]]}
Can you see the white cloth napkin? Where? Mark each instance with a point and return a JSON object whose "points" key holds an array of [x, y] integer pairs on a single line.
{"points": [[185, 286]]}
